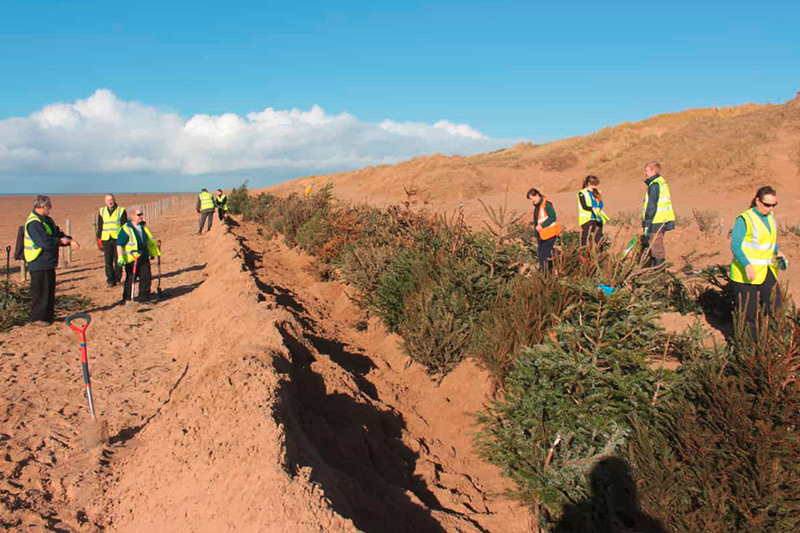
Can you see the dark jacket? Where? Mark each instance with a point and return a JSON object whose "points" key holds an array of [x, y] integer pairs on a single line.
{"points": [[48, 259], [122, 220], [652, 205]]}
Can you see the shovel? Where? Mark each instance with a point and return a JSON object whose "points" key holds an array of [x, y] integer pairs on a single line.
{"points": [[133, 278], [96, 431], [158, 291]]}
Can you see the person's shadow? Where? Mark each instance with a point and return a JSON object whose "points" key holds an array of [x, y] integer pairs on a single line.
{"points": [[613, 506]]}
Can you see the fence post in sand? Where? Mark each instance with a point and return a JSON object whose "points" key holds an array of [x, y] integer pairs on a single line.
{"points": [[23, 272], [69, 248]]}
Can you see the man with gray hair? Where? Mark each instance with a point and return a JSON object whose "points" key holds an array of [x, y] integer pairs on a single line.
{"points": [[42, 241], [109, 221]]}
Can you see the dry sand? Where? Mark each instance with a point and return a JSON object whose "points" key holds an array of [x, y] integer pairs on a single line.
{"points": [[251, 399], [247, 399]]}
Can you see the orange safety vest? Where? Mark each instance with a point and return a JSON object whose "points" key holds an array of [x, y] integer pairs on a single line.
{"points": [[554, 229]]}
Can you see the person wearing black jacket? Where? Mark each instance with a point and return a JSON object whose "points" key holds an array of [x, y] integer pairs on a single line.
{"points": [[110, 219], [42, 241]]}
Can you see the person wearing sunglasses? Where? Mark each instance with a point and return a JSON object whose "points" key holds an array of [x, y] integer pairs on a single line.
{"points": [[757, 257], [135, 247]]}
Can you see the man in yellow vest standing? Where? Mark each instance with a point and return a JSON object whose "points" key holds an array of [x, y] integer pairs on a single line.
{"points": [[657, 214], [135, 247], [42, 241], [221, 201], [205, 209], [109, 221]]}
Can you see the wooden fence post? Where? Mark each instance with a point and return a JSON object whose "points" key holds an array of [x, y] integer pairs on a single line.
{"points": [[69, 248]]}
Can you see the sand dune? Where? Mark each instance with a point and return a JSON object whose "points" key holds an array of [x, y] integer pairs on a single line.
{"points": [[251, 397]]}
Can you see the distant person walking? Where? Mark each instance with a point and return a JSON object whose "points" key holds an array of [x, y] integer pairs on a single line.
{"points": [[205, 208], [135, 247], [221, 202], [657, 214], [109, 221], [757, 257], [42, 241], [547, 228], [591, 217]]}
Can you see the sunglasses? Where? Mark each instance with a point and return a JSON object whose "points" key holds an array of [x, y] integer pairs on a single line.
{"points": [[765, 204], [138, 214]]}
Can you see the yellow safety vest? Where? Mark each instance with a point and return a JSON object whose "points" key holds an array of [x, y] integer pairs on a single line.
{"points": [[130, 251], [111, 223], [206, 201], [32, 251], [221, 198], [664, 212], [758, 247], [585, 216]]}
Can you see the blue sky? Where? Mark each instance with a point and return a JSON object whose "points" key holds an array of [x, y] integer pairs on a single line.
{"points": [[507, 71]]}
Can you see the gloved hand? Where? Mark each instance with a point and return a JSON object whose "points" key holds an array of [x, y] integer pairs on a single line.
{"points": [[99, 244], [120, 262]]}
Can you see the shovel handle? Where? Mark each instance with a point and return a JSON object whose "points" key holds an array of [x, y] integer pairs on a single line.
{"points": [[84, 316]]}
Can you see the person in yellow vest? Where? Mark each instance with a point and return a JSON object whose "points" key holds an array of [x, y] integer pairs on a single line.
{"points": [[309, 190], [42, 239], [658, 216], [757, 257], [547, 228], [136, 246], [109, 221], [591, 217], [205, 209], [221, 203]]}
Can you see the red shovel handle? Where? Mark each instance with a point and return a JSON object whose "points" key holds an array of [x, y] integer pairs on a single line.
{"points": [[79, 330]]}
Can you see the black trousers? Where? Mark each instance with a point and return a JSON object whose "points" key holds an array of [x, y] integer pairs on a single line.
{"points": [[113, 270], [591, 231], [545, 253], [43, 295], [144, 275], [206, 215], [221, 213], [752, 297]]}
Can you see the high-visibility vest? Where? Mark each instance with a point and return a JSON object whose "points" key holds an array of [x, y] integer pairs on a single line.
{"points": [[221, 203], [758, 246], [32, 251], [111, 223], [547, 232], [130, 251], [206, 201], [585, 216], [664, 212]]}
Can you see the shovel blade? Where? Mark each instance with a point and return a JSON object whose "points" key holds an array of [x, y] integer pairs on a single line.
{"points": [[94, 433]]}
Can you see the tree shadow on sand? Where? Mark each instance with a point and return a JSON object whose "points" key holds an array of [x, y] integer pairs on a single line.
{"points": [[613, 506]]}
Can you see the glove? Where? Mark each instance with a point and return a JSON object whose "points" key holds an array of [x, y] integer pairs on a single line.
{"points": [[99, 244], [120, 262]]}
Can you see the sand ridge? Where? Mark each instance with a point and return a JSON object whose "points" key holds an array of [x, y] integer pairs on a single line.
{"points": [[246, 399]]}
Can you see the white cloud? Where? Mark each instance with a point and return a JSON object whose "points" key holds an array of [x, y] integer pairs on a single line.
{"points": [[105, 134]]}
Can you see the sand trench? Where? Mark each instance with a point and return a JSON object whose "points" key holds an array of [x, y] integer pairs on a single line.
{"points": [[246, 400]]}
